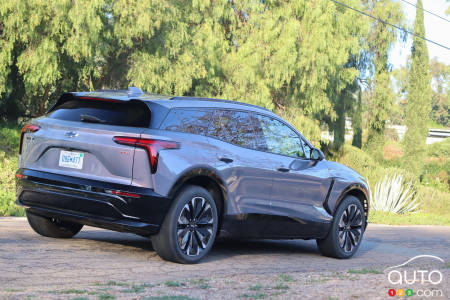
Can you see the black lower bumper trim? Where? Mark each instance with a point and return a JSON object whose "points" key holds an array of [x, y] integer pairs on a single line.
{"points": [[88, 202], [140, 228]]}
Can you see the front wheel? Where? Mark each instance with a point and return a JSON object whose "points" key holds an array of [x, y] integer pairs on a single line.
{"points": [[189, 229], [347, 229]]}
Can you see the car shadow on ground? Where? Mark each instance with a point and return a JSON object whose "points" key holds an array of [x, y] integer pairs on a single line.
{"points": [[222, 248]]}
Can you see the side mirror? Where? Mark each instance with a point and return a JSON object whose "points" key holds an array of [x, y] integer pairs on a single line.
{"points": [[316, 154]]}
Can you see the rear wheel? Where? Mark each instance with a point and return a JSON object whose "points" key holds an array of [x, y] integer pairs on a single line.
{"points": [[347, 230], [189, 229], [52, 227]]}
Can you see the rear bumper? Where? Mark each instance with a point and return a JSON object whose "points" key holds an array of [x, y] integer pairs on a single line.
{"points": [[91, 202]]}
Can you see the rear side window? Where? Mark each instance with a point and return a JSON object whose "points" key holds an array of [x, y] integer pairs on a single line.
{"points": [[130, 113], [234, 127], [193, 120]]}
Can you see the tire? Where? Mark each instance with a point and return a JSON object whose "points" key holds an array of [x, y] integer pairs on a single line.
{"points": [[184, 237], [51, 227], [342, 240]]}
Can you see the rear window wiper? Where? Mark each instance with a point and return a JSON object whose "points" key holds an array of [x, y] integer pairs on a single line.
{"points": [[91, 119]]}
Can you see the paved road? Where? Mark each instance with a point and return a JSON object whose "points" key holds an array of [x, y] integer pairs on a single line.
{"points": [[100, 255]]}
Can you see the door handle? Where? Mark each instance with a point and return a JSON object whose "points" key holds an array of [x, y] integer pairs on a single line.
{"points": [[283, 169], [225, 159]]}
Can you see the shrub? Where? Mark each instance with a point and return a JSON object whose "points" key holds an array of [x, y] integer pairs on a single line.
{"points": [[433, 200], [9, 143], [394, 194]]}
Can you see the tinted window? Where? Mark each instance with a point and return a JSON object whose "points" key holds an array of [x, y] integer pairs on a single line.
{"points": [[234, 127], [132, 113], [278, 138], [188, 120]]}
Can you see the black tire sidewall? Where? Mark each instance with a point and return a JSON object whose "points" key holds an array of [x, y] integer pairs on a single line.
{"points": [[184, 197], [46, 227], [349, 200]]}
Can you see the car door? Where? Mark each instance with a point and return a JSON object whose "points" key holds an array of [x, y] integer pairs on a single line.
{"points": [[300, 184], [245, 171]]}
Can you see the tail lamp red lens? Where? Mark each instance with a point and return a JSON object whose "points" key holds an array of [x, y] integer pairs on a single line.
{"points": [[126, 194], [150, 145], [26, 129]]}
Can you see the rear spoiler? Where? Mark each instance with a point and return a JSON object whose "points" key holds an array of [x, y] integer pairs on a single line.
{"points": [[116, 96]]}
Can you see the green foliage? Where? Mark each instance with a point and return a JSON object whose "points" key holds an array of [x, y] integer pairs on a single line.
{"points": [[419, 99], [414, 218], [357, 122], [382, 37], [307, 126], [9, 140], [440, 94], [436, 170], [275, 54]]}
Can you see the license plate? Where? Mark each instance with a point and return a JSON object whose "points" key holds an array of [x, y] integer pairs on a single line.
{"points": [[69, 159]]}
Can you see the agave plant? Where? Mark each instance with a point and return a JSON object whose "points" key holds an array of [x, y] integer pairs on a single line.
{"points": [[392, 194]]}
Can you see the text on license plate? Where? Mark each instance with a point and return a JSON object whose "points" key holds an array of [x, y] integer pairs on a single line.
{"points": [[71, 159]]}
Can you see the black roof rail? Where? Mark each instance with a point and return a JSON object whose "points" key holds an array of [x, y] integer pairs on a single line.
{"points": [[216, 100]]}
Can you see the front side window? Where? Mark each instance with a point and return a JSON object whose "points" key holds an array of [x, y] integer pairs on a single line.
{"points": [[278, 138], [307, 149], [234, 127], [188, 120]]}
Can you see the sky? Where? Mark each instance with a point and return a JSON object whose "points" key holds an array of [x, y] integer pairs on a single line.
{"points": [[436, 29]]}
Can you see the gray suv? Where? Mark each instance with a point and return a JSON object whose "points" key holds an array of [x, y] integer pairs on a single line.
{"points": [[183, 170]]}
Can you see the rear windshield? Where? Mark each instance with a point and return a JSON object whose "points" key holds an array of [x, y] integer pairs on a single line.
{"points": [[130, 113]]}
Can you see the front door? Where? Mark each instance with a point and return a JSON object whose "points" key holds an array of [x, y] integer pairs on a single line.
{"points": [[300, 184]]}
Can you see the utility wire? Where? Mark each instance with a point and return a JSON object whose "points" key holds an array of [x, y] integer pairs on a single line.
{"points": [[427, 11], [393, 25]]}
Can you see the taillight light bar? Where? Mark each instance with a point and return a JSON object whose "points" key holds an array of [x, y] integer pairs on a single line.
{"points": [[150, 145], [126, 194], [27, 128]]}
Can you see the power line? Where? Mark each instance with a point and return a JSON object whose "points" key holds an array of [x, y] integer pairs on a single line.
{"points": [[427, 11], [393, 25]]}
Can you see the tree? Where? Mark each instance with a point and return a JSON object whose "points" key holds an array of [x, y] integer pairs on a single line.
{"points": [[357, 122], [382, 37], [440, 74], [418, 99]]}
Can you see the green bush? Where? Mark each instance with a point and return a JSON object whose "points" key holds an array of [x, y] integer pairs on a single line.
{"points": [[9, 144], [433, 200], [436, 170], [372, 170], [308, 127]]}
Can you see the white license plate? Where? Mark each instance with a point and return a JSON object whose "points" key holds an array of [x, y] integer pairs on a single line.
{"points": [[69, 159]]}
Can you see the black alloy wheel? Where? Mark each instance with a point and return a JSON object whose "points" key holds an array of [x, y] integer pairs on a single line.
{"points": [[195, 226], [189, 228], [346, 230]]}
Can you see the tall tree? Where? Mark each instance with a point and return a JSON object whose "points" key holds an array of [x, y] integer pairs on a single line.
{"points": [[440, 74], [381, 40], [418, 99], [357, 121]]}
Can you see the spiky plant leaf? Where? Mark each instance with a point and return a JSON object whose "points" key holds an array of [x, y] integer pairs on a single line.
{"points": [[393, 194]]}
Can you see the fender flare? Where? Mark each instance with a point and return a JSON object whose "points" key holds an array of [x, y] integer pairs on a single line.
{"points": [[200, 170]]}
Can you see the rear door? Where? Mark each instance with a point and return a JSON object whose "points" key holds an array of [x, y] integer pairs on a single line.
{"points": [[76, 139], [244, 169]]}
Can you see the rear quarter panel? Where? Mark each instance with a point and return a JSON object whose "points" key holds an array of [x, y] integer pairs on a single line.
{"points": [[172, 163]]}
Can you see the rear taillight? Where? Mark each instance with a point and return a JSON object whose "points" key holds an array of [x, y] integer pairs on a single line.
{"points": [[151, 146], [27, 128]]}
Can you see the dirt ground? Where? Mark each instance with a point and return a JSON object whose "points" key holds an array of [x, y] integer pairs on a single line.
{"points": [[101, 264]]}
